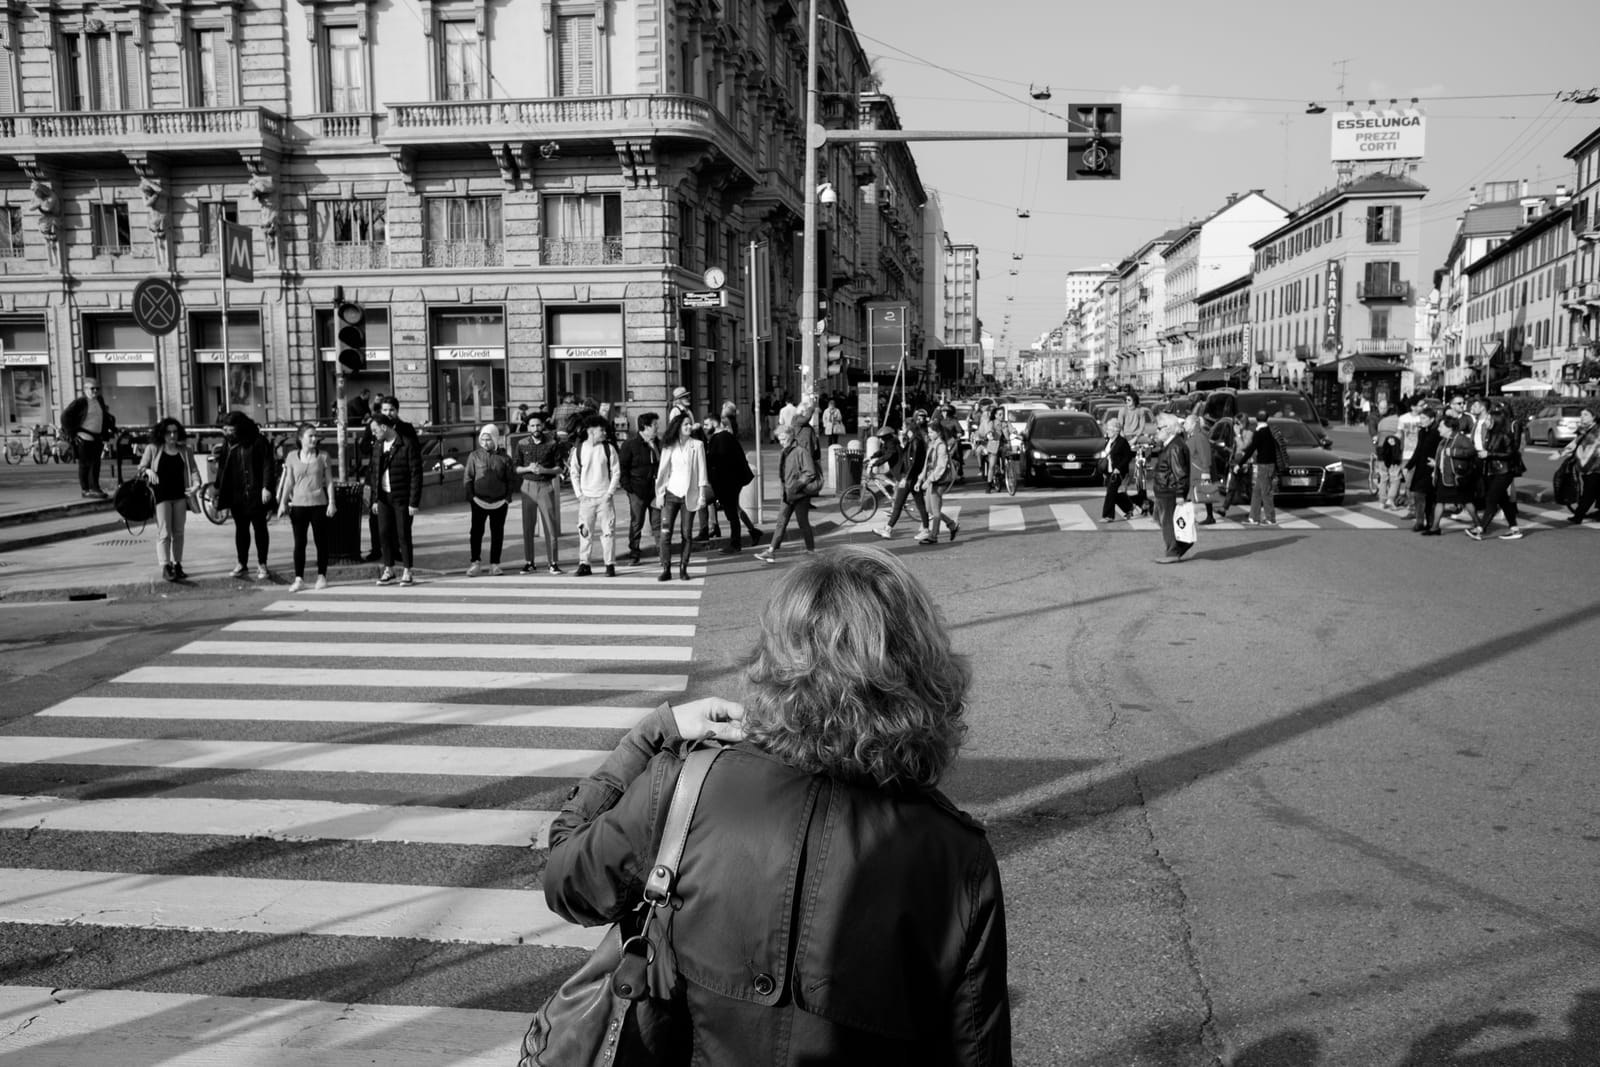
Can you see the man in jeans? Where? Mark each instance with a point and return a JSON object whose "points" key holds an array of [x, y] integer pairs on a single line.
{"points": [[1388, 448], [596, 472], [641, 458], [89, 422], [1263, 448], [539, 463]]}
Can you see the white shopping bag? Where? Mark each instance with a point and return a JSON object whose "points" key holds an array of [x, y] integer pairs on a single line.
{"points": [[1183, 522]]}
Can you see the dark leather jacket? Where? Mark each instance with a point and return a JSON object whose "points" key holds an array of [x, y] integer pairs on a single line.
{"points": [[1171, 471], [640, 460], [404, 464], [821, 922]]}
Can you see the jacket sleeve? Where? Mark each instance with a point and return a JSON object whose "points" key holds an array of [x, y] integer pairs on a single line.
{"points": [[664, 473], [602, 842], [702, 476], [414, 469], [980, 1015], [616, 473]]}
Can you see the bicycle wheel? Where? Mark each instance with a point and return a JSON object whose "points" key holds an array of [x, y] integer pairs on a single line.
{"points": [[212, 508], [41, 452], [13, 455], [1011, 477], [858, 504]]}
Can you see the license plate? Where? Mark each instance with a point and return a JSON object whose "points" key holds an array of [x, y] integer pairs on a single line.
{"points": [[1069, 466], [1300, 481]]}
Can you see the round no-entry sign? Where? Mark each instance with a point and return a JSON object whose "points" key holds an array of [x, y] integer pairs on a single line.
{"points": [[156, 306]]}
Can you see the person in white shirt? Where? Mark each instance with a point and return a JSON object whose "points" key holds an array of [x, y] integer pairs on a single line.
{"points": [[595, 470], [786, 414], [681, 483]]}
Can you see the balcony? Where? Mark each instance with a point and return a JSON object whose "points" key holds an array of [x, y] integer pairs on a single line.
{"points": [[1305, 353], [588, 252], [349, 255], [462, 254], [163, 130], [358, 127], [1263, 357], [1371, 291], [1382, 346]]}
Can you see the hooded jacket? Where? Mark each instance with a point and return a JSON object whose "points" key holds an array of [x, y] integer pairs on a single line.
{"points": [[244, 466]]}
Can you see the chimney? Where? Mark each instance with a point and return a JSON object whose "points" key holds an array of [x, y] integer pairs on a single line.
{"points": [[1472, 195], [1562, 195], [1524, 187]]}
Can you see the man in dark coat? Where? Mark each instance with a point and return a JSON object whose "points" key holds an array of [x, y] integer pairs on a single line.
{"points": [[916, 457], [88, 423], [396, 495], [246, 477], [1421, 466], [641, 458], [1119, 457]]}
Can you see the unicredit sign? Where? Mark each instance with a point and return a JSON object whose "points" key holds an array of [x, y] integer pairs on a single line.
{"points": [[1378, 135]]}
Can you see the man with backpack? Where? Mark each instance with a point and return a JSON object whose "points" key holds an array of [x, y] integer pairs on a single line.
{"points": [[595, 470], [1388, 452]]}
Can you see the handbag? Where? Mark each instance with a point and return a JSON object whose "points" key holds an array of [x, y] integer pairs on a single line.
{"points": [[1206, 492], [607, 1013], [135, 501], [1183, 528]]}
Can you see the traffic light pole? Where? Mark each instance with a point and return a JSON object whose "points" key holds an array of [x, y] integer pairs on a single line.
{"points": [[810, 373]]}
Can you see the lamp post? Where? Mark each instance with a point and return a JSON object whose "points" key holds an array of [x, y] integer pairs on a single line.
{"points": [[808, 188]]}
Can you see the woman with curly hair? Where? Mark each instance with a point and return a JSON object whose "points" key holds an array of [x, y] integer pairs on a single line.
{"points": [[836, 907], [169, 465]]}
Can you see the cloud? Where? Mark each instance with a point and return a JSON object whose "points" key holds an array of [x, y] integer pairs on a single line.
{"points": [[1153, 103]]}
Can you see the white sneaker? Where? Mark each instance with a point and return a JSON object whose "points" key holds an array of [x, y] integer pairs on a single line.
{"points": [[884, 532], [387, 577], [472, 571], [1513, 534], [923, 536], [405, 576], [237, 572], [494, 569], [261, 573], [296, 585], [322, 582]]}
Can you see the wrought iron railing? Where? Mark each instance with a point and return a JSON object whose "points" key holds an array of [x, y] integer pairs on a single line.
{"points": [[580, 252], [349, 255], [462, 254]]}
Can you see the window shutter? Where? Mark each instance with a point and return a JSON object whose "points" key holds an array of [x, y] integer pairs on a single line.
{"points": [[575, 55], [132, 73], [1394, 228], [222, 69], [7, 95], [102, 73]]}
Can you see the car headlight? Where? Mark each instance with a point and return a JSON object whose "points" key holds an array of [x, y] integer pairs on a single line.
{"points": [[1039, 455], [1336, 467]]}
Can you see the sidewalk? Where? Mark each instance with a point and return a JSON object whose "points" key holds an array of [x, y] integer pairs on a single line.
{"points": [[89, 554]]}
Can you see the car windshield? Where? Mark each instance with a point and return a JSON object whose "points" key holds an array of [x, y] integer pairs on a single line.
{"points": [[1571, 412], [1294, 432], [1056, 427], [1276, 405]]}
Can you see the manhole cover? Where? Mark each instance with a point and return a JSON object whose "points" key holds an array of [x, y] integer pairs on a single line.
{"points": [[120, 542]]}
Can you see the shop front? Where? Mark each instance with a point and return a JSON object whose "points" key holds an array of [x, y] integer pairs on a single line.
{"points": [[231, 377], [122, 357], [469, 365], [586, 355], [25, 376]]}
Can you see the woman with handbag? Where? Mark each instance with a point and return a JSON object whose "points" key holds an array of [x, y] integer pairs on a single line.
{"points": [[168, 464], [938, 476], [1202, 490], [1501, 462], [797, 473], [305, 496], [682, 486], [794, 938]]}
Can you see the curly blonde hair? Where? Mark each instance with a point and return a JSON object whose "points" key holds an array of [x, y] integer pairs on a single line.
{"points": [[854, 675]]}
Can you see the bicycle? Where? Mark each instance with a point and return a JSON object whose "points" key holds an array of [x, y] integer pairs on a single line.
{"points": [[211, 507], [65, 450], [860, 502], [15, 449]]}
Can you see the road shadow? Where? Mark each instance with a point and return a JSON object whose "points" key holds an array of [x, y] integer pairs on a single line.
{"points": [[1446, 1045], [1203, 553]]}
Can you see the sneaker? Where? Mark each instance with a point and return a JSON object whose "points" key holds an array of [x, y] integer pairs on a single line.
{"points": [[1269, 522], [1456, 516], [528, 568], [727, 550], [611, 570], [387, 577], [405, 577], [297, 585], [955, 528], [554, 569], [262, 574], [237, 572], [1574, 520], [884, 532], [495, 571], [1475, 533], [765, 556], [322, 582], [1251, 522], [583, 570], [633, 559], [472, 569], [923, 536], [1513, 534]]}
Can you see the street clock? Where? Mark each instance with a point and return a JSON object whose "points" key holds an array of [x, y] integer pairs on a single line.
{"points": [[714, 277]]}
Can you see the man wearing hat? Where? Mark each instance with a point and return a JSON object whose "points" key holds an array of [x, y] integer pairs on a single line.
{"points": [[680, 401]]}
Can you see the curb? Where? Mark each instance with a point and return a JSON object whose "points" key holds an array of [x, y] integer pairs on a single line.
{"points": [[157, 586], [55, 511], [53, 536]]}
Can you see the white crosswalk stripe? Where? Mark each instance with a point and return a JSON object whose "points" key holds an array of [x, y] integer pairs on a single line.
{"points": [[340, 726]]}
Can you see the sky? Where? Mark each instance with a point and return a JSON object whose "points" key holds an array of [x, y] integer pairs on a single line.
{"points": [[1214, 98]]}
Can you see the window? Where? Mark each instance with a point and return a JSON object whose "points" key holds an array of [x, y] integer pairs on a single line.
{"points": [[8, 86], [460, 61], [101, 71], [349, 234], [581, 230], [109, 225], [708, 245], [1383, 225], [1380, 325], [463, 231], [10, 232], [344, 72], [212, 212], [211, 72], [1383, 279], [575, 55], [685, 235]]}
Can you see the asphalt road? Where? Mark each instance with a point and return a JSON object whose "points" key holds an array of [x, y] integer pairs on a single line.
{"points": [[1318, 796]]}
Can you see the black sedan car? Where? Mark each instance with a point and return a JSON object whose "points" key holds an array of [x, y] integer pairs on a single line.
{"points": [[1060, 444], [1308, 470]]}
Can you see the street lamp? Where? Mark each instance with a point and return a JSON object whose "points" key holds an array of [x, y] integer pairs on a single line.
{"points": [[808, 186]]}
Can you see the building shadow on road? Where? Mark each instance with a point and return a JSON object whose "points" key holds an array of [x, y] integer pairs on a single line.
{"points": [[1446, 1045]]}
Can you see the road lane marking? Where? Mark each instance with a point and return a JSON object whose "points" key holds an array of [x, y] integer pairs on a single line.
{"points": [[1353, 518], [576, 716], [1005, 519], [1146, 523], [597, 581], [323, 603], [1072, 517], [458, 628], [89, 1027], [437, 650], [357, 678], [279, 820], [323, 757], [596, 591], [287, 906]]}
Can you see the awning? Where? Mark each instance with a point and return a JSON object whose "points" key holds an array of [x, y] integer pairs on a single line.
{"points": [[1207, 376], [1360, 364]]}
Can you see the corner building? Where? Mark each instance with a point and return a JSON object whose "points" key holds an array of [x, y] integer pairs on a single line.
{"points": [[517, 194]]}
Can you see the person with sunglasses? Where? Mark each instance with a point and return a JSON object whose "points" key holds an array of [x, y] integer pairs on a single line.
{"points": [[88, 423], [168, 464]]}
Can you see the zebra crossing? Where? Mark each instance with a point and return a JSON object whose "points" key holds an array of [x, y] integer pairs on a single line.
{"points": [[315, 835]]}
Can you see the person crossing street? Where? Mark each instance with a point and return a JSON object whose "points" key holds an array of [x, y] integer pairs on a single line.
{"points": [[595, 471]]}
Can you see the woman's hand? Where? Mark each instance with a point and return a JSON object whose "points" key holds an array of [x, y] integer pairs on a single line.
{"points": [[331, 509], [709, 717]]}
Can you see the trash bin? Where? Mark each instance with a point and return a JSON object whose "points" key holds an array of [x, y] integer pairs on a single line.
{"points": [[845, 466], [853, 459], [347, 516], [833, 473]]}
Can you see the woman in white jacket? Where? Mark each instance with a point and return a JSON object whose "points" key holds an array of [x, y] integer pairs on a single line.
{"points": [[681, 484]]}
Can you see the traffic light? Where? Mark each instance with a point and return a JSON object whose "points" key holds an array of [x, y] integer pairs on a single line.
{"points": [[1095, 155], [350, 324], [834, 345]]}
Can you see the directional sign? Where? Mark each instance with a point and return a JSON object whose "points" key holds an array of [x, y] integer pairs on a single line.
{"points": [[156, 306], [703, 298], [238, 252]]}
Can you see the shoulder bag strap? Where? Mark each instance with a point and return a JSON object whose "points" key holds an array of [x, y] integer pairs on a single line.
{"points": [[685, 797]]}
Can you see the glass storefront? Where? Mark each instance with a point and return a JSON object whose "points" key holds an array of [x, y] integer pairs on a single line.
{"points": [[376, 378], [123, 358], [25, 376], [586, 355], [469, 365], [231, 379]]}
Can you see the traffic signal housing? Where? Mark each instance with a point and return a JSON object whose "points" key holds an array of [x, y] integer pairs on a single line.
{"points": [[834, 345], [350, 337], [1096, 154]]}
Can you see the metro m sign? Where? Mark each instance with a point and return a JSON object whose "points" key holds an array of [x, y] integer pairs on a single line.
{"points": [[238, 252]]}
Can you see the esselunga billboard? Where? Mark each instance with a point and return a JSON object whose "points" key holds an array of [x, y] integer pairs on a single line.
{"points": [[1359, 136]]}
